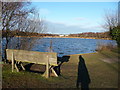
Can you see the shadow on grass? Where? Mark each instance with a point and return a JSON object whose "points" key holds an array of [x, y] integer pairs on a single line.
{"points": [[60, 60], [28, 66], [83, 77]]}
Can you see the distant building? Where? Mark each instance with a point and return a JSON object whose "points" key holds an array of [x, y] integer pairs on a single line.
{"points": [[66, 35], [61, 35]]}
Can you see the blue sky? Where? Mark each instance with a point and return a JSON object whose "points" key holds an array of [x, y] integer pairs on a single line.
{"points": [[73, 17]]}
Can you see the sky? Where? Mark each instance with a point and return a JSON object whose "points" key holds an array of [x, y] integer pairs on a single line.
{"points": [[73, 17]]}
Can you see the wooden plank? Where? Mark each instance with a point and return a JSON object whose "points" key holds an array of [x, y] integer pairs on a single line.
{"points": [[32, 56]]}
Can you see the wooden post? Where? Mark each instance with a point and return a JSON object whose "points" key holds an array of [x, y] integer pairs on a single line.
{"points": [[47, 68], [51, 46], [12, 61]]}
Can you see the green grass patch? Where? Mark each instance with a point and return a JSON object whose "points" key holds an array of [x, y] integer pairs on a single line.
{"points": [[102, 74]]}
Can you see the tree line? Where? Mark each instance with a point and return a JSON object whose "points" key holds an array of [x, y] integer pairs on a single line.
{"points": [[92, 35], [17, 33], [81, 35]]}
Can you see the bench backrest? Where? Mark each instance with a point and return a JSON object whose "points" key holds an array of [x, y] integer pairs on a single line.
{"points": [[32, 56]]}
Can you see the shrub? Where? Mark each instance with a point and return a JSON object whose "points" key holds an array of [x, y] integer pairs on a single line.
{"points": [[102, 46]]}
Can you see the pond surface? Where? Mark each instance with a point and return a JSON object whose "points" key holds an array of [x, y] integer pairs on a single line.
{"points": [[64, 46], [67, 46]]}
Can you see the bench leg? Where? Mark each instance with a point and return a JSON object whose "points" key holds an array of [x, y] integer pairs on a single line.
{"points": [[49, 68], [22, 66], [54, 72], [12, 62], [16, 67]]}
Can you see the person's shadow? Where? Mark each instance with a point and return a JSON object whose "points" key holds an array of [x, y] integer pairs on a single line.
{"points": [[83, 77]]}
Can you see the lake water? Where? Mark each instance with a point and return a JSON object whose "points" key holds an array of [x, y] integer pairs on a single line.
{"points": [[67, 46]]}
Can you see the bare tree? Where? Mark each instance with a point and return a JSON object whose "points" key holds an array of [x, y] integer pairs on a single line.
{"points": [[29, 26], [0, 25], [111, 19], [112, 24], [119, 13], [22, 18]]}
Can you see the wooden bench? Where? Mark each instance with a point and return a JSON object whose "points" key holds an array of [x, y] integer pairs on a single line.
{"points": [[45, 58]]}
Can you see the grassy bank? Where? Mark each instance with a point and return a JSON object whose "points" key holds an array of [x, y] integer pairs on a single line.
{"points": [[102, 68]]}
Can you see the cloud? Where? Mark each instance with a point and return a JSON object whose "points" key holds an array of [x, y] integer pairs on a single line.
{"points": [[62, 28], [82, 21]]}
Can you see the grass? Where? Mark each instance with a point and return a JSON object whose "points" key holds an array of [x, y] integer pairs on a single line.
{"points": [[103, 74]]}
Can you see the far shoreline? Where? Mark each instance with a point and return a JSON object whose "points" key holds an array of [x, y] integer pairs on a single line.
{"points": [[65, 37]]}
